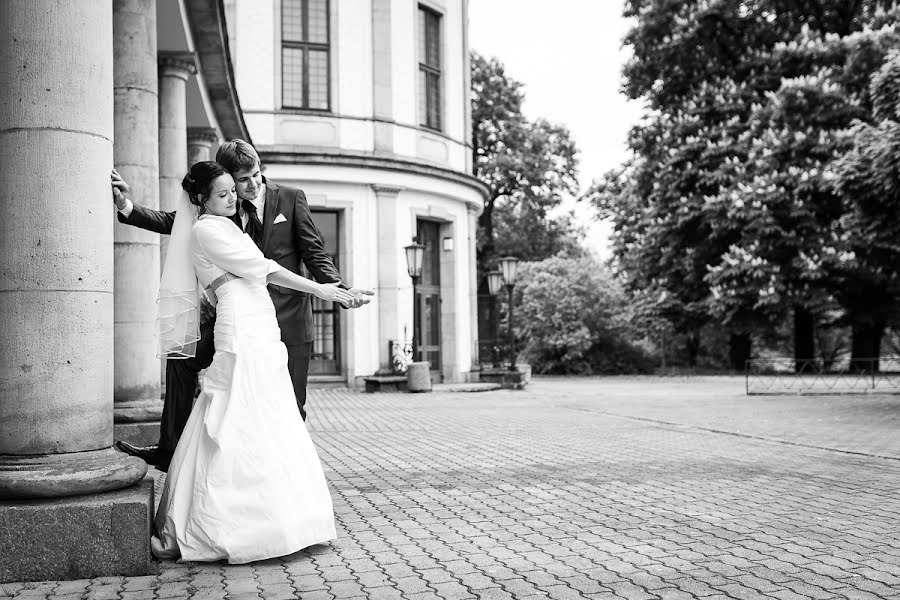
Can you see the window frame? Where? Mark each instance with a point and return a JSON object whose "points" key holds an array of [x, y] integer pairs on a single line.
{"points": [[427, 69], [305, 47], [325, 307]]}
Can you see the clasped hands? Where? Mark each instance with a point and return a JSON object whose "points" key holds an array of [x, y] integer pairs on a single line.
{"points": [[353, 297]]}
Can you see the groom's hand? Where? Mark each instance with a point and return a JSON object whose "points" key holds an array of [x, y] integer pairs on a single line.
{"points": [[118, 182], [119, 188], [360, 297]]}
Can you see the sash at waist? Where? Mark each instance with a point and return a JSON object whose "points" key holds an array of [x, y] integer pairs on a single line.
{"points": [[216, 283]]}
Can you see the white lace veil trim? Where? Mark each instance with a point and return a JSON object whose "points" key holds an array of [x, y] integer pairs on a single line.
{"points": [[179, 300]]}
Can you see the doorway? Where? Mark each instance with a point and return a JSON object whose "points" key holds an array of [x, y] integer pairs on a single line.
{"points": [[427, 305], [326, 353]]}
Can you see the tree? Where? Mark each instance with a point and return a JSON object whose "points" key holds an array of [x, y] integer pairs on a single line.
{"points": [[693, 64], [785, 200], [656, 272], [526, 231], [728, 210], [527, 166], [866, 258]]}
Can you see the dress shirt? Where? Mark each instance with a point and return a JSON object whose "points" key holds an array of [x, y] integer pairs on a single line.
{"points": [[260, 204], [126, 212]]}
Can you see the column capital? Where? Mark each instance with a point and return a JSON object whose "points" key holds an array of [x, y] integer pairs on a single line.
{"points": [[202, 135], [176, 64], [387, 190]]}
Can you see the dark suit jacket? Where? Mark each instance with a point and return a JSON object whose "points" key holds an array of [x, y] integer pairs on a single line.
{"points": [[290, 243]]}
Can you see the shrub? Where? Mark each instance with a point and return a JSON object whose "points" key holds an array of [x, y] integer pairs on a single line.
{"points": [[572, 317]]}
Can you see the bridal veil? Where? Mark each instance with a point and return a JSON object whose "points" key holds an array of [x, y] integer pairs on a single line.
{"points": [[179, 299]]}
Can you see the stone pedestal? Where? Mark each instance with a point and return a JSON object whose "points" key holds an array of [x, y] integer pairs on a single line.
{"points": [[140, 433], [56, 297], [508, 380], [78, 537], [137, 267]]}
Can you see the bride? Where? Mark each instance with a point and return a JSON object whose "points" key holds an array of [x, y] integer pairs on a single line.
{"points": [[245, 482]]}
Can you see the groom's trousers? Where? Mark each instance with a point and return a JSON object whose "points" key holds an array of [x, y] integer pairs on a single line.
{"points": [[181, 384], [298, 366]]}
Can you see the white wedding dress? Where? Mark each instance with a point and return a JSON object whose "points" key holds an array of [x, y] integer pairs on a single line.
{"points": [[245, 482]]}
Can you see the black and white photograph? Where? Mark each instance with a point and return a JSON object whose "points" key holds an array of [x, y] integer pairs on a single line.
{"points": [[450, 299]]}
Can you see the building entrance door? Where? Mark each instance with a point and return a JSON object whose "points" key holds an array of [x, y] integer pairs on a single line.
{"points": [[326, 353], [427, 306]]}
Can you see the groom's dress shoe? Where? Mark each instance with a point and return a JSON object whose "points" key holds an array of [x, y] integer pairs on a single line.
{"points": [[149, 454]]}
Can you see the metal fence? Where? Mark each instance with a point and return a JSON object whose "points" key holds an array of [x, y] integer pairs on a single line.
{"points": [[789, 376]]}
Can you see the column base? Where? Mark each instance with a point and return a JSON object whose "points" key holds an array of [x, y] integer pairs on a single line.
{"points": [[78, 538], [138, 434], [138, 411], [70, 474], [137, 421]]}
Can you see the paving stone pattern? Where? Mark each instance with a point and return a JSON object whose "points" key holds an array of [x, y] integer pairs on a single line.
{"points": [[582, 488]]}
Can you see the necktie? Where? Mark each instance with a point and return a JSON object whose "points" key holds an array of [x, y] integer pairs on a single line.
{"points": [[254, 226]]}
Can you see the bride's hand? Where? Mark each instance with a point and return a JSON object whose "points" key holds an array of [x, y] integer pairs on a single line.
{"points": [[332, 293], [359, 296]]}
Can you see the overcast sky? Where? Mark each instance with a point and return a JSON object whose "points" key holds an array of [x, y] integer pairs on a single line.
{"points": [[568, 54]]}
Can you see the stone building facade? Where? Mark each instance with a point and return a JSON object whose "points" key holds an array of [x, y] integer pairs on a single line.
{"points": [[364, 104]]}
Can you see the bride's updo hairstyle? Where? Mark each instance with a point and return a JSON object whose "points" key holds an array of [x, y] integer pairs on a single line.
{"points": [[199, 179]]}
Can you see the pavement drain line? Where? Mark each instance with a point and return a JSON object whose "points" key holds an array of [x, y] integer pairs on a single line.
{"points": [[732, 433]]}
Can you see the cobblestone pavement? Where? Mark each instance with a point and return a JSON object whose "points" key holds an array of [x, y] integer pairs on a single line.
{"points": [[582, 488]]}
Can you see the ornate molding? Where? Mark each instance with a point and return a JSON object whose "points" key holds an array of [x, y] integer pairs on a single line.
{"points": [[201, 135], [387, 190], [366, 161], [176, 64]]}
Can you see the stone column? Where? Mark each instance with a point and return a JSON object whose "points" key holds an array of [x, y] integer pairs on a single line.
{"points": [[390, 259], [200, 142], [174, 69], [472, 213], [382, 91], [56, 303], [137, 269], [467, 81]]}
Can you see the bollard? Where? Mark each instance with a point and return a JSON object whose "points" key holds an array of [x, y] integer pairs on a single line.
{"points": [[418, 376]]}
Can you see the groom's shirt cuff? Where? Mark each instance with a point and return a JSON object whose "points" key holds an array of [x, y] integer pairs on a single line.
{"points": [[126, 212]]}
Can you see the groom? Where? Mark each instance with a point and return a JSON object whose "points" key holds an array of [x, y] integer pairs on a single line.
{"points": [[278, 220]]}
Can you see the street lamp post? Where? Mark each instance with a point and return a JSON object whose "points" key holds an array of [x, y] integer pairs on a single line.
{"points": [[415, 254], [494, 281], [508, 267]]}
